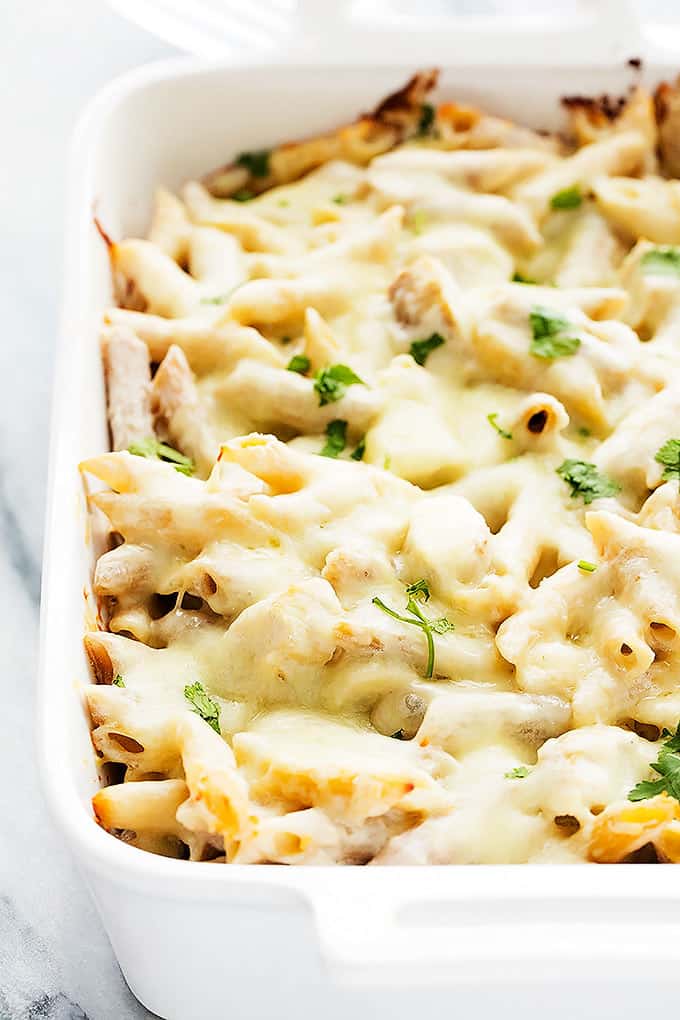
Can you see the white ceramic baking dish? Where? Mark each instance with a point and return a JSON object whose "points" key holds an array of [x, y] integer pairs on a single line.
{"points": [[203, 941]]}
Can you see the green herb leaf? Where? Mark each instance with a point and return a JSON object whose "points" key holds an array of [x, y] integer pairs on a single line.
{"points": [[242, 195], [203, 704], [491, 418], [118, 681], [662, 261], [568, 198], [331, 383], [218, 300], [420, 350], [669, 456], [585, 480], [583, 432], [427, 114], [442, 625], [419, 590], [340, 199], [299, 363], [283, 202], [519, 278], [154, 450], [589, 568], [336, 438], [667, 766], [359, 450], [521, 772], [416, 619], [546, 329], [256, 162], [387, 462]]}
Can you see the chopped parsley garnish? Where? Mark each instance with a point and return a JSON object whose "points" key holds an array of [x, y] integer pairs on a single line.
{"points": [[331, 383], [283, 202], [340, 199], [520, 278], [417, 619], [154, 450], [521, 772], [547, 334], [420, 350], [387, 462], [491, 418], [118, 681], [427, 113], [219, 299], [585, 480], [203, 704], [664, 261], [299, 363], [336, 438], [256, 162], [584, 432], [359, 450], [242, 195], [584, 565], [568, 198], [667, 766], [669, 457], [419, 590]]}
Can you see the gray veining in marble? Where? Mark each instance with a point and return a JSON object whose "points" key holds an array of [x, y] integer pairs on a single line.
{"points": [[55, 960]]}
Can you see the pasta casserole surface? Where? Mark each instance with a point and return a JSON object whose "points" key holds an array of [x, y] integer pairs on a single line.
{"points": [[393, 570]]}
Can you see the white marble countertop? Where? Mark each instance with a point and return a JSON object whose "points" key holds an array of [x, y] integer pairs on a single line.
{"points": [[55, 960]]}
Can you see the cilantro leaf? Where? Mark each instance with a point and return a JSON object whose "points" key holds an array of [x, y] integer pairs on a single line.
{"points": [[491, 418], [336, 438], [203, 704], [242, 195], [521, 772], [359, 450], [256, 162], [588, 568], [568, 198], [299, 363], [118, 681], [662, 261], [153, 450], [547, 340], [419, 590], [667, 766], [420, 350], [647, 788], [669, 456], [416, 618], [520, 278], [585, 480], [427, 113], [331, 383]]}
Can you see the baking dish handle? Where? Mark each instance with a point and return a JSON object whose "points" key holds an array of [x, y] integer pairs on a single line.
{"points": [[386, 938]]}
